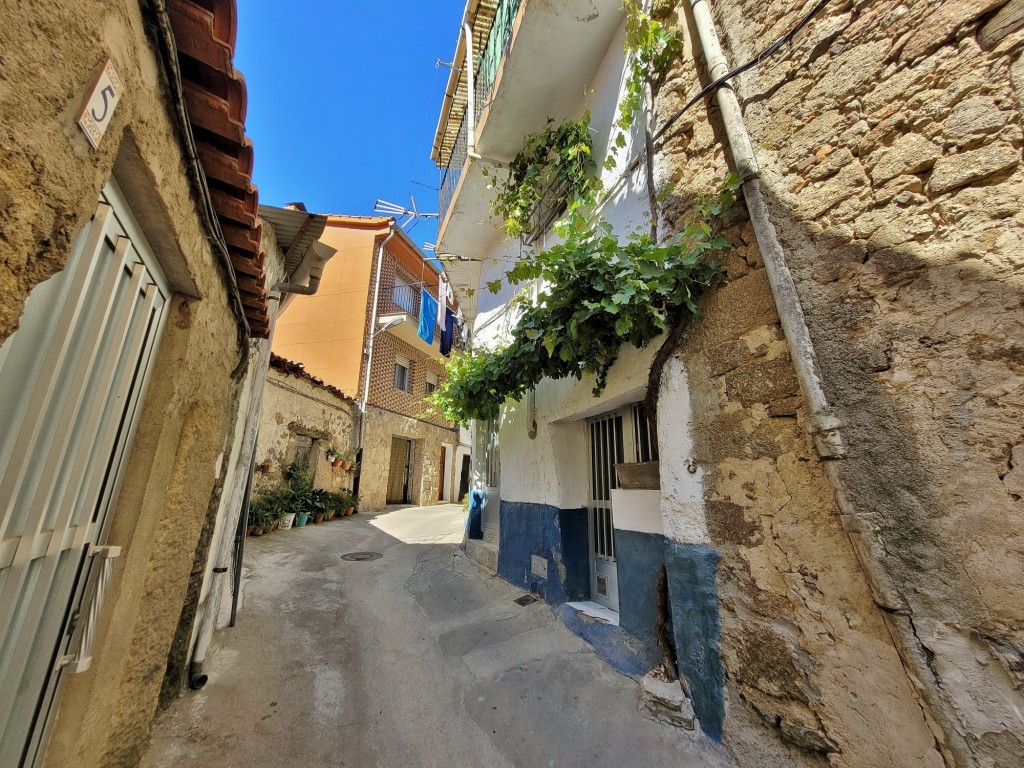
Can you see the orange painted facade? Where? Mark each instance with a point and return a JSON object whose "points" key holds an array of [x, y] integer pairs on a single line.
{"points": [[326, 331]]}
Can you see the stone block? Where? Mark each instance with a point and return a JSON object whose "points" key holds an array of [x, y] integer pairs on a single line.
{"points": [[818, 199], [665, 702], [955, 171], [762, 381], [735, 309], [483, 554], [974, 117], [941, 25], [909, 154]]}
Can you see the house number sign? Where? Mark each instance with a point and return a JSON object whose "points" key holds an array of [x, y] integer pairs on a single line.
{"points": [[99, 107]]}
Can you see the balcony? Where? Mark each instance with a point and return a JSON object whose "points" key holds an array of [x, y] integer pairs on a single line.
{"points": [[535, 62]]}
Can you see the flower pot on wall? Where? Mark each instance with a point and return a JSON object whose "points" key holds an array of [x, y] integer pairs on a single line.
{"points": [[346, 465], [643, 475], [337, 463]]}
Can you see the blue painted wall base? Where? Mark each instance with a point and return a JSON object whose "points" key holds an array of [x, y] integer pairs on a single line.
{"points": [[693, 594], [559, 536], [621, 649], [639, 557]]}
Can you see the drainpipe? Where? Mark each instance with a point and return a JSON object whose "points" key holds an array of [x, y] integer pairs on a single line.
{"points": [[470, 94], [823, 424], [369, 343], [197, 678]]}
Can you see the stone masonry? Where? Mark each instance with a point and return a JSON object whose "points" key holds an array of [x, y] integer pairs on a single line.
{"points": [[889, 140]]}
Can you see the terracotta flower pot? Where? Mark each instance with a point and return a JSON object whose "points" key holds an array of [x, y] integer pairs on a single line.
{"points": [[346, 465], [265, 467], [337, 463], [350, 511]]}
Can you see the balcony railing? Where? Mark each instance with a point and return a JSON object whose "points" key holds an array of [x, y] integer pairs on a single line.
{"points": [[408, 298], [486, 71], [453, 171]]}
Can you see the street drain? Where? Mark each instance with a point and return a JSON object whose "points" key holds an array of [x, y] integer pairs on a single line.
{"points": [[360, 556], [526, 599]]}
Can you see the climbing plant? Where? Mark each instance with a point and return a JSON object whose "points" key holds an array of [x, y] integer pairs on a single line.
{"points": [[599, 293], [554, 162], [650, 47]]}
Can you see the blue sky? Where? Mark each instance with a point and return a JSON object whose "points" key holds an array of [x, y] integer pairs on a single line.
{"points": [[344, 100]]}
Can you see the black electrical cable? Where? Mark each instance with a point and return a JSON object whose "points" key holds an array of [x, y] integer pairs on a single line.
{"points": [[743, 67]]}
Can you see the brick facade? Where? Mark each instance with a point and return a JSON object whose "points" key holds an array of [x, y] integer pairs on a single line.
{"points": [[386, 346]]}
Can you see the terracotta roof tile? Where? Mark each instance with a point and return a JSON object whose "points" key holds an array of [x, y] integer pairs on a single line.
{"points": [[215, 96], [292, 368]]}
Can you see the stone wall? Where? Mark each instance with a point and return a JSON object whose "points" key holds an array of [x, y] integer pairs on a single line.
{"points": [[381, 426], [889, 140], [295, 404], [50, 179]]}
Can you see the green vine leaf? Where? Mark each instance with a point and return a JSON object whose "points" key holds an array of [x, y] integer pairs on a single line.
{"points": [[599, 292]]}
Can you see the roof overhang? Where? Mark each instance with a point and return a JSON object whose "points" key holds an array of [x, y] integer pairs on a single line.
{"points": [[215, 98]]}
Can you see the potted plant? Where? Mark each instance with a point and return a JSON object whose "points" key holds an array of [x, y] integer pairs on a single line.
{"points": [[265, 467], [347, 458], [353, 506], [317, 504], [261, 516]]}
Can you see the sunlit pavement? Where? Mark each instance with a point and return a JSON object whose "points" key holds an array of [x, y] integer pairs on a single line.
{"points": [[417, 658]]}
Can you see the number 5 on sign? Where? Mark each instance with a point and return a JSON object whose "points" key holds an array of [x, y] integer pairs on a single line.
{"points": [[99, 108]]}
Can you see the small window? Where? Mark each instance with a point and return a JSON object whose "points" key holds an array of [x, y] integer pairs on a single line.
{"points": [[431, 384], [402, 374]]}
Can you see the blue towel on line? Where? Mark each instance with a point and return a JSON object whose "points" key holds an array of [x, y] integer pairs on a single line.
{"points": [[428, 316]]}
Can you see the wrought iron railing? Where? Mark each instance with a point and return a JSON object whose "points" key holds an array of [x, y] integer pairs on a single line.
{"points": [[453, 172], [486, 71], [407, 297]]}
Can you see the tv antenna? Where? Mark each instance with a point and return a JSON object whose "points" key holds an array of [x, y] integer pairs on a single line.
{"points": [[408, 215]]}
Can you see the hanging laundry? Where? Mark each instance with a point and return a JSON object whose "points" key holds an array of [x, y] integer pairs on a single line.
{"points": [[428, 316], [448, 334], [442, 300]]}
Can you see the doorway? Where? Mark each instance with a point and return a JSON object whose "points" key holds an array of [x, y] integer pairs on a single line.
{"points": [[72, 381], [399, 471], [615, 437]]}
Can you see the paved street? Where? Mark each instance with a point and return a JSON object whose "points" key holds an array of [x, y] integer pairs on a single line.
{"points": [[418, 658]]}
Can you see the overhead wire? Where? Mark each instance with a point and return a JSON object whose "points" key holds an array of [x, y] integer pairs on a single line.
{"points": [[723, 80]]}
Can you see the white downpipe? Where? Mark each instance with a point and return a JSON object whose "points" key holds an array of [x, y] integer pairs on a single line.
{"points": [[824, 425], [197, 677], [470, 65], [243, 468], [373, 333]]}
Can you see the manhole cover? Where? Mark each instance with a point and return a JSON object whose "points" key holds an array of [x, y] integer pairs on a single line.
{"points": [[361, 556], [526, 599]]}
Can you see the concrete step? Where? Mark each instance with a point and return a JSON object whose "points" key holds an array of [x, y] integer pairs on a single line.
{"points": [[491, 535], [483, 553]]}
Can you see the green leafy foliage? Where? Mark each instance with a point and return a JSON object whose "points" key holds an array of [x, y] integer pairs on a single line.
{"points": [[599, 293], [650, 47], [555, 165]]}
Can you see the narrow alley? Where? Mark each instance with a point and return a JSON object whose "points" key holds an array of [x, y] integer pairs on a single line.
{"points": [[417, 658]]}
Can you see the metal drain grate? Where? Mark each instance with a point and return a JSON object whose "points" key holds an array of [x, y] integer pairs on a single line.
{"points": [[360, 556], [527, 599]]}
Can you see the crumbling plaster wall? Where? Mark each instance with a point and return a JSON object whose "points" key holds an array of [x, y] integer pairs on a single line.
{"points": [[889, 137], [50, 179], [890, 144], [294, 404]]}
